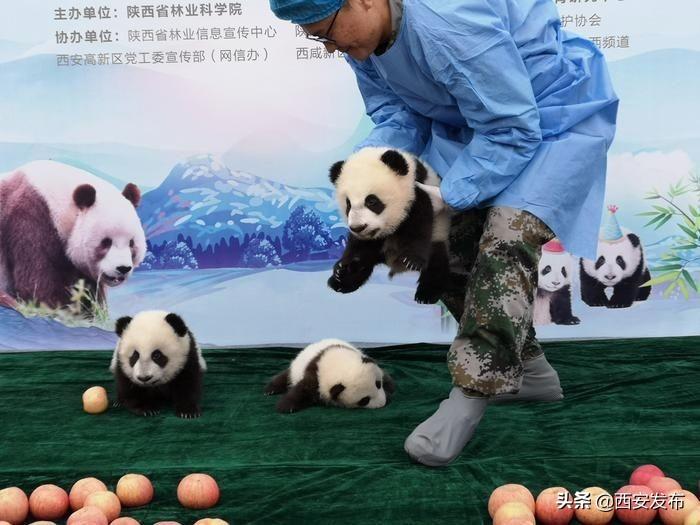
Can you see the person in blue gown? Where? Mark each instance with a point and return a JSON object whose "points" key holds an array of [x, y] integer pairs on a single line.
{"points": [[516, 115]]}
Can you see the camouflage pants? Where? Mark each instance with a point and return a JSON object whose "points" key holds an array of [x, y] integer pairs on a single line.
{"points": [[494, 255]]}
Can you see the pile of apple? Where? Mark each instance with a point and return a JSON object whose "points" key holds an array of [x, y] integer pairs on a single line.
{"points": [[649, 494], [92, 503]]}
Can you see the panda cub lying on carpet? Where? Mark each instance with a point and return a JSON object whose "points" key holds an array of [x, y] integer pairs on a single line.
{"points": [[331, 372], [157, 360], [392, 220]]}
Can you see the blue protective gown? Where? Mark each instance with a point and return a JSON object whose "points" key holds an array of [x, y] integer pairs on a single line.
{"points": [[508, 108]]}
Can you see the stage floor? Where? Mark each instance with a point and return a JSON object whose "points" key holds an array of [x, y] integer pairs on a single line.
{"points": [[627, 403]]}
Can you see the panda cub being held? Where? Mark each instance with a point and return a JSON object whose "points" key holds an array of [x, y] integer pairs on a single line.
{"points": [[157, 361], [392, 221], [331, 372]]}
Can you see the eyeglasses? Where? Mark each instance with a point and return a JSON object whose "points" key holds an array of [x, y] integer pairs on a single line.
{"points": [[325, 39]]}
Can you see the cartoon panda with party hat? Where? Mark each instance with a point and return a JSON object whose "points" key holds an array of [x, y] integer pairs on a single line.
{"points": [[553, 298], [620, 266]]}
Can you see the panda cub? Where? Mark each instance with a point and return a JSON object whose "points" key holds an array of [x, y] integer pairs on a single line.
{"points": [[553, 299], [621, 265], [331, 372], [156, 361], [392, 220]]}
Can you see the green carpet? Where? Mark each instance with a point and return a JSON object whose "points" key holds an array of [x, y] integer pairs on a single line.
{"points": [[627, 403]]}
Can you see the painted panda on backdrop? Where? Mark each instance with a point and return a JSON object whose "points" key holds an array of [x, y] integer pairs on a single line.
{"points": [[553, 298], [59, 225], [621, 266]]}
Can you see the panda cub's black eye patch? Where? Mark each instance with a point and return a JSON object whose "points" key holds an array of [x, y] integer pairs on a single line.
{"points": [[379, 385], [563, 271], [347, 206], [600, 262], [133, 358], [158, 358], [546, 270], [106, 242], [374, 204], [363, 402], [621, 262]]}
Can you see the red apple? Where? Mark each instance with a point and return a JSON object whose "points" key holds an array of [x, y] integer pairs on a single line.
{"points": [[663, 485], [81, 489], [107, 502], [509, 493], [634, 505], [134, 490], [88, 515], [678, 505], [95, 400], [14, 505], [601, 510], [48, 502], [125, 521], [512, 510], [693, 518], [554, 506], [644, 473], [198, 491]]}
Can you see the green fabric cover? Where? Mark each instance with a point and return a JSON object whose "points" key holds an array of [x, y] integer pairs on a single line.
{"points": [[627, 403]]}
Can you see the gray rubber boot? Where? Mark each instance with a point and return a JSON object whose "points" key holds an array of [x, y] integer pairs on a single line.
{"points": [[540, 383], [440, 438]]}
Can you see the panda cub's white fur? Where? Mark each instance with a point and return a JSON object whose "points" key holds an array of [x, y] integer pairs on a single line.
{"points": [[365, 174], [393, 219], [331, 372], [157, 360]]}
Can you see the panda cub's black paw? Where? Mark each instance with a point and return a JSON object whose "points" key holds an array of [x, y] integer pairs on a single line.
{"points": [[190, 414], [427, 295], [286, 406], [117, 404], [346, 277], [413, 262], [150, 412]]}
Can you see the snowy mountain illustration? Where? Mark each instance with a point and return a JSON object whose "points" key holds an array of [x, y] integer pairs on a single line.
{"points": [[217, 212]]}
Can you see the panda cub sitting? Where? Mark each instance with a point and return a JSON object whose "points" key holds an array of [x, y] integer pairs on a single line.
{"points": [[392, 220], [157, 361], [331, 372]]}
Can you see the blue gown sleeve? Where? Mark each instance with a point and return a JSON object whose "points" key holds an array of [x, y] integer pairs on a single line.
{"points": [[396, 125], [474, 56]]}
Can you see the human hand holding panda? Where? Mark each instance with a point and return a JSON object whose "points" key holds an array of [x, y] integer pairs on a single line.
{"points": [[157, 361], [392, 220]]}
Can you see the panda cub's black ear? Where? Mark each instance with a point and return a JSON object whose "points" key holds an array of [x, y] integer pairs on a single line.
{"points": [[177, 323], [121, 325], [335, 171], [395, 161]]}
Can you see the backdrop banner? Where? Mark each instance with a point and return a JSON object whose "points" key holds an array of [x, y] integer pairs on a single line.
{"points": [[220, 122]]}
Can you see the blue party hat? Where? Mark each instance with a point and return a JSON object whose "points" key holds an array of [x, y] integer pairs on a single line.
{"points": [[610, 230]]}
